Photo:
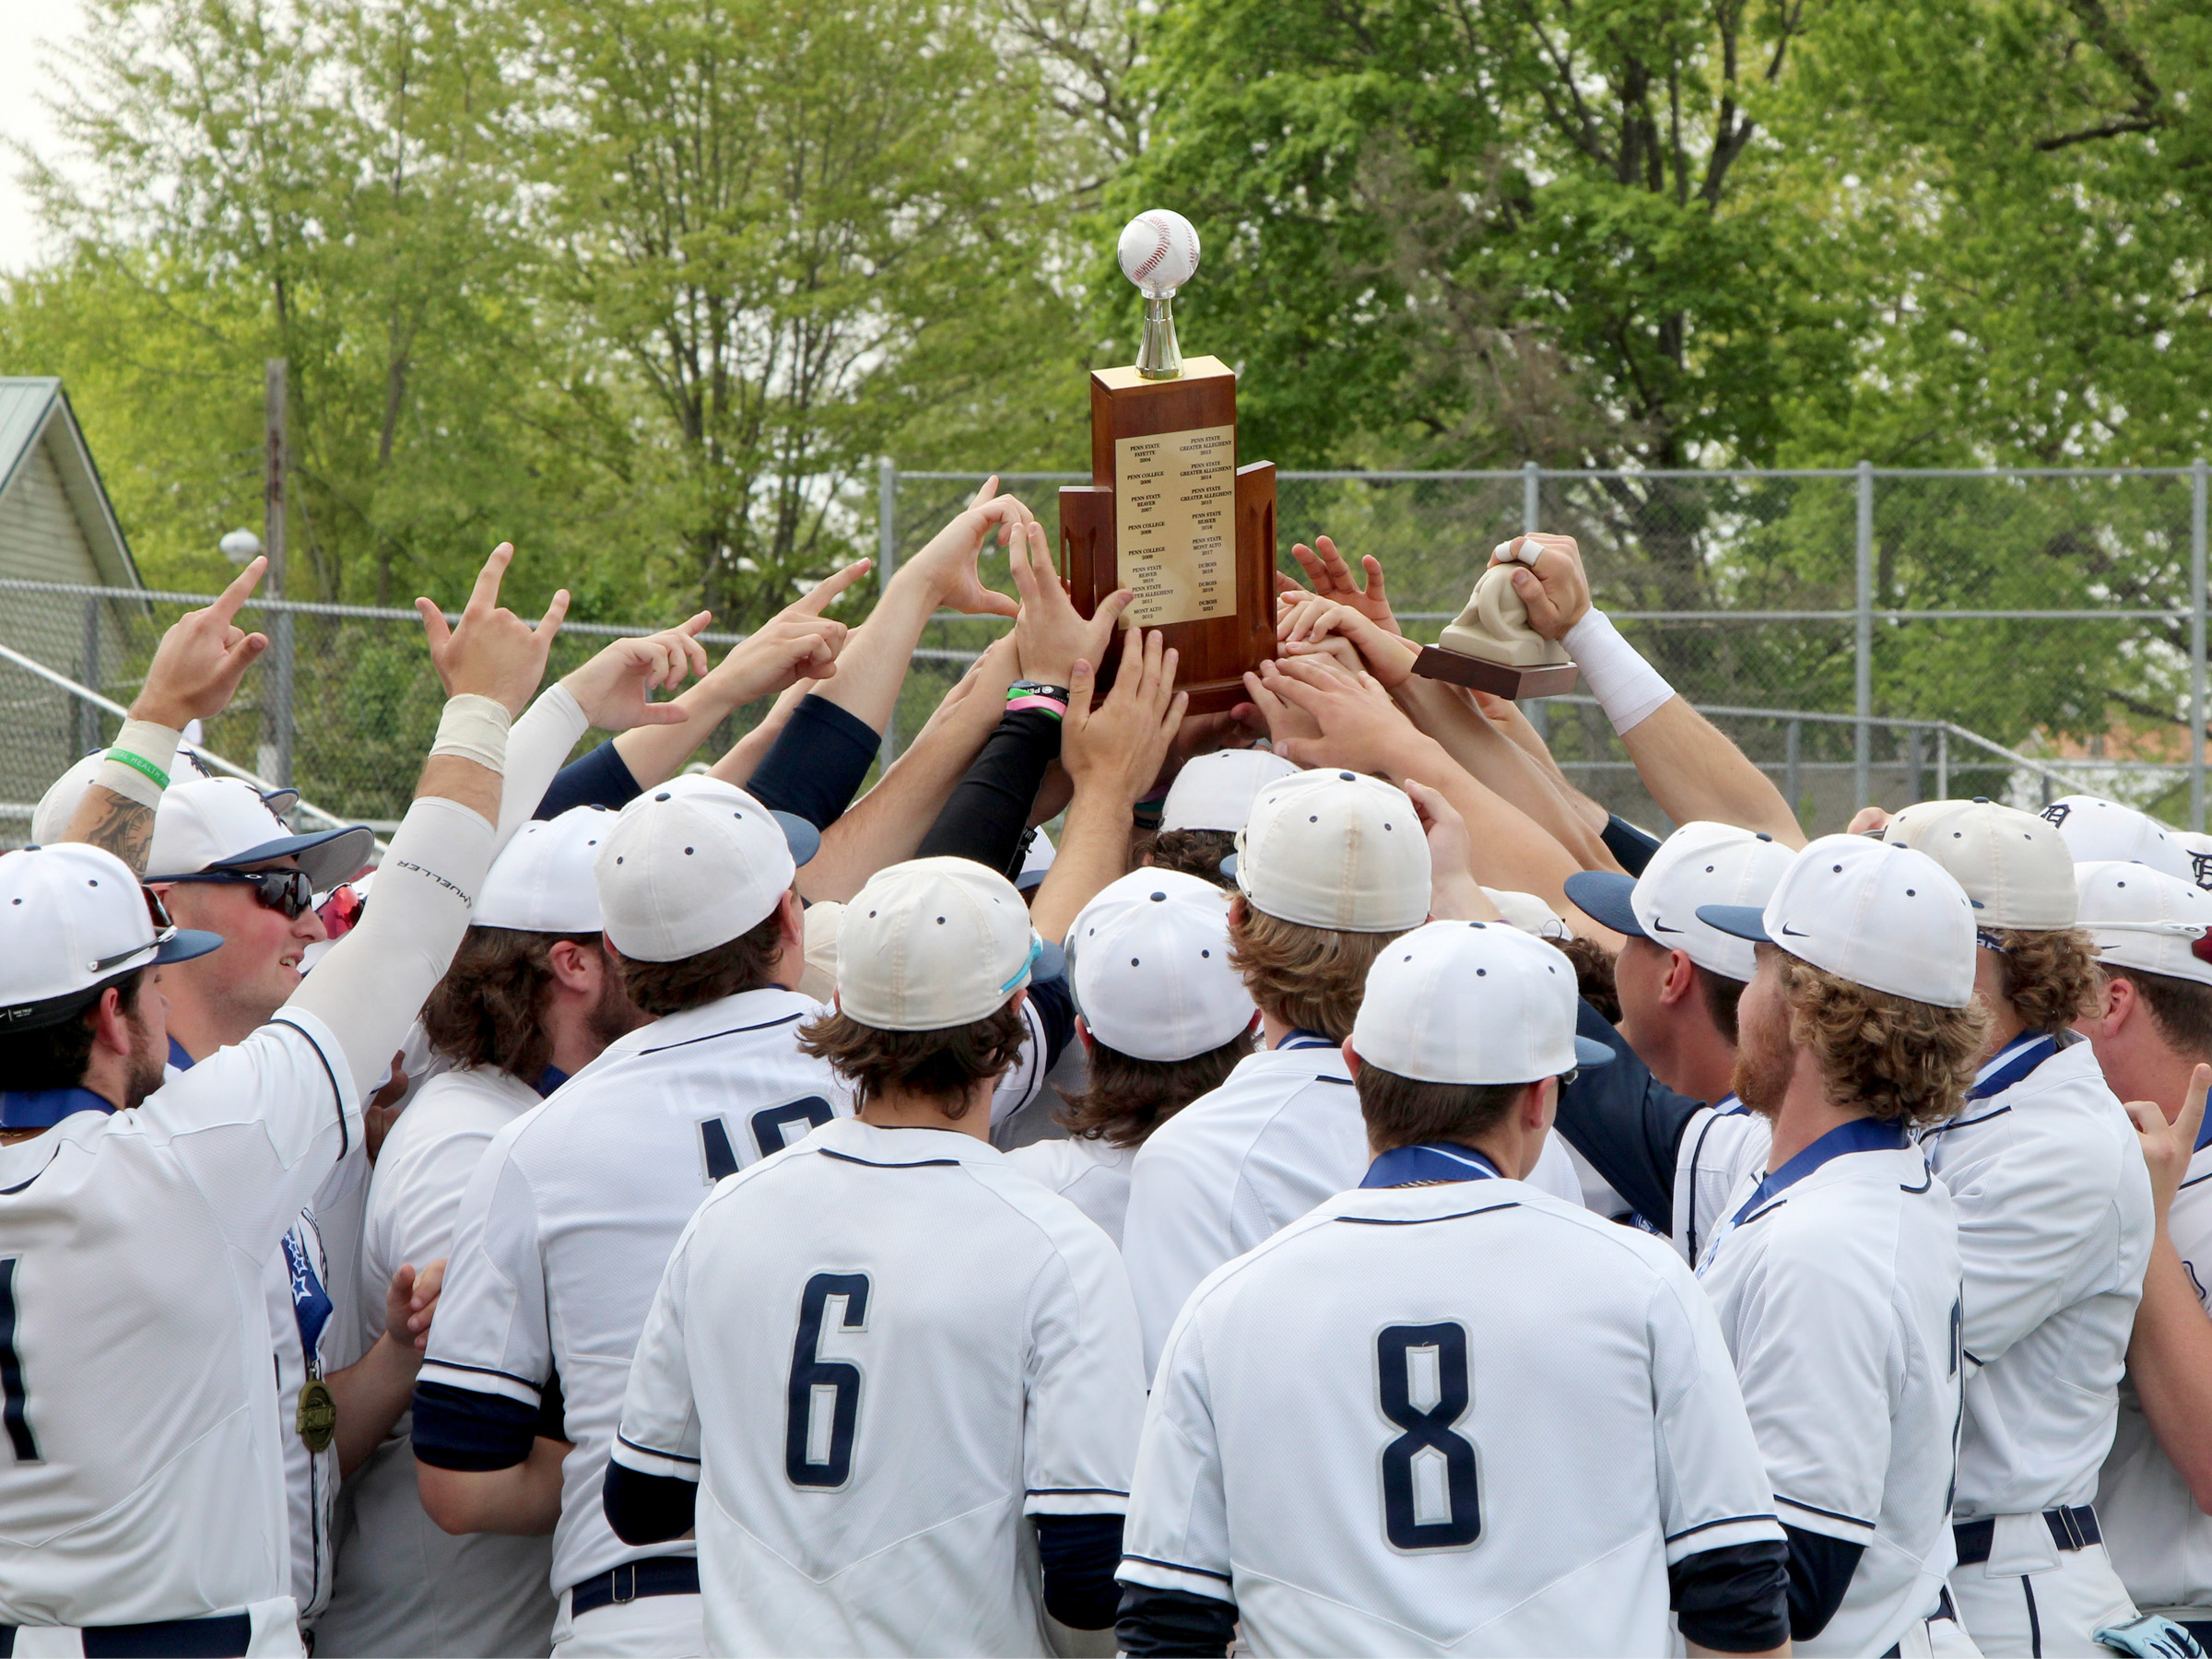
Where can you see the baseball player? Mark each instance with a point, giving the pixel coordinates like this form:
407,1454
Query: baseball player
1360,1431
1663,1126
2101,831
1163,1018
1836,1272
1209,801
139,1210
893,1383
2151,1029
530,999
567,1223
2054,1231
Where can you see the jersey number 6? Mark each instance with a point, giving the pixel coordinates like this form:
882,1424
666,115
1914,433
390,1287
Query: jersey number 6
1428,1430
12,1404
822,1406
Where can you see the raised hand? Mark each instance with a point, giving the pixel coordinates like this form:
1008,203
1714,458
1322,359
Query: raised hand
492,652
2168,1147
615,688
201,659
1331,578
1049,634
1357,724
1352,636
798,644
1120,744
947,563
1548,575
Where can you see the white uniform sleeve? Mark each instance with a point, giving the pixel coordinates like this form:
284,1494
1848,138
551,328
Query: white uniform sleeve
258,1127
369,989
1713,1492
659,1429
1177,1534
1176,1234
538,746
1812,1357
490,1335
1085,1384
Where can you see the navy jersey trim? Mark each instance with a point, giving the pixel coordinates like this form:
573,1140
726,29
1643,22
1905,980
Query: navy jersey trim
1814,1509
653,1451
20,1186
1425,1220
1076,1492
1179,1566
484,1370
1697,1159
2186,1186
460,1428
766,1025
1964,1123
337,1094
1974,1357
1926,1170
1324,1077
924,1163
1690,1532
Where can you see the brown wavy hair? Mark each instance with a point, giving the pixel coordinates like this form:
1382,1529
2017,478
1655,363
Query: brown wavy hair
944,1065
2050,976
1592,974
1195,853
1308,977
1129,1098
744,963
490,1010
1903,1060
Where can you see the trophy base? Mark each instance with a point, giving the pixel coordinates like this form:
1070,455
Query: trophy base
1500,679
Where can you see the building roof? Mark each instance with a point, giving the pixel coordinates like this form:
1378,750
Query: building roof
34,407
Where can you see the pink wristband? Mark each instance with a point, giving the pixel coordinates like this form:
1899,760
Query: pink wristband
1052,706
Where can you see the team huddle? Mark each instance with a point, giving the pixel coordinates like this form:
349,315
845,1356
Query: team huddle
1353,1194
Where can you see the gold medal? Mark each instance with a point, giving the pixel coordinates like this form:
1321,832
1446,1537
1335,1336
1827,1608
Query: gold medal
318,1416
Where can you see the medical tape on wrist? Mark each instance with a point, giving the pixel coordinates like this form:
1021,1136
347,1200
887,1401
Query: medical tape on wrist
1628,689
476,729
153,749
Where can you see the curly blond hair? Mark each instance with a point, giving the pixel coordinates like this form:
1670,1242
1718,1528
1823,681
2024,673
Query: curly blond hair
2050,976
1308,977
1903,1061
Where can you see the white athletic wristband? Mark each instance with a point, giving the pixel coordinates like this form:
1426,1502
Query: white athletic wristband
1628,689
150,745
475,728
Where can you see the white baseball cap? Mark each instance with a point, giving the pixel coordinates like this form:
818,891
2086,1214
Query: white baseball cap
1148,962
542,880
1216,791
685,869
933,943
224,823
50,819
2146,919
1701,863
2198,847
77,920
2013,864
1035,862
1472,1002
2098,831
1337,849
1881,917
1529,914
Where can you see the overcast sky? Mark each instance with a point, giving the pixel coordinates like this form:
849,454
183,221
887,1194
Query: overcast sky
24,24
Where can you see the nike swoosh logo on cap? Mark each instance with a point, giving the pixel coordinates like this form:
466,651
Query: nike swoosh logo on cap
1793,932
1663,928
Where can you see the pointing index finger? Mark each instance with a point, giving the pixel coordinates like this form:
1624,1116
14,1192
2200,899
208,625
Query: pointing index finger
484,595
232,599
819,596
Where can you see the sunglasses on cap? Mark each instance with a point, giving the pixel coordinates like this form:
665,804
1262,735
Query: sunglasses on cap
165,930
288,892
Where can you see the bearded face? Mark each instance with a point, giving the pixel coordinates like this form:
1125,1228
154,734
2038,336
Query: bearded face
1764,1056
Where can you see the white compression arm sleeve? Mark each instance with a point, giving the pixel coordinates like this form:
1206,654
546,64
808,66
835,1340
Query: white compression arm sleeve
538,748
371,986
1628,689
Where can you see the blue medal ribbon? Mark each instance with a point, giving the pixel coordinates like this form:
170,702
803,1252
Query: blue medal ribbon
43,1108
310,1303
1432,1161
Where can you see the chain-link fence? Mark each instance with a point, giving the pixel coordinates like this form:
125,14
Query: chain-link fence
1862,634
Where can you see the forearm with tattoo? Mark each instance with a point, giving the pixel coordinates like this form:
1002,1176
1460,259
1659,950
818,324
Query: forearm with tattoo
115,824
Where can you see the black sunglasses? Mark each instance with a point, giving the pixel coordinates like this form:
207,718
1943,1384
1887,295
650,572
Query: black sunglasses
164,931
288,891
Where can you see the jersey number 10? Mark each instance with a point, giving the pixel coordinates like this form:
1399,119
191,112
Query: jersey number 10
1428,1430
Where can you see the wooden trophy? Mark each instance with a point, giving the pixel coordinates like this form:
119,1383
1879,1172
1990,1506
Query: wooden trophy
1491,647
1169,514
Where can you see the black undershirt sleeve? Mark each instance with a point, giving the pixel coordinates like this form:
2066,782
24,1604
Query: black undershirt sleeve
1627,1123
816,764
647,1509
1733,1601
1078,1555
1056,1009
601,779
1820,1572
1174,1621
990,805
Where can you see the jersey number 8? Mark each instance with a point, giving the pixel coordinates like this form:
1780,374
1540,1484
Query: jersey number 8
1443,1348
822,1405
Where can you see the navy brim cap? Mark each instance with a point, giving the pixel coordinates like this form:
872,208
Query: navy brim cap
1588,1051
330,857
1745,920
804,839
1603,896
185,944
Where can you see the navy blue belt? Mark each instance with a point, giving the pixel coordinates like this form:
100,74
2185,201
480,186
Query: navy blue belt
225,1636
633,1581
2070,1529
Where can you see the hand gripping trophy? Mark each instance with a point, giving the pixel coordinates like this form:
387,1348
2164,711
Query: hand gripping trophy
1490,646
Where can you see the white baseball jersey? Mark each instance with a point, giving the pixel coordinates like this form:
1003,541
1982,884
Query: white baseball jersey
1091,1174
566,1225
1720,1145
1233,1167
1837,1283
404,1584
876,1354
133,1248
2054,1204
1466,1417
2160,1543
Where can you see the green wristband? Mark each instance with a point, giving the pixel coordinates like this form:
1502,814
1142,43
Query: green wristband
141,764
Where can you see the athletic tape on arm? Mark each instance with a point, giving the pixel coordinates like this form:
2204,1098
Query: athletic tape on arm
154,745
1628,689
